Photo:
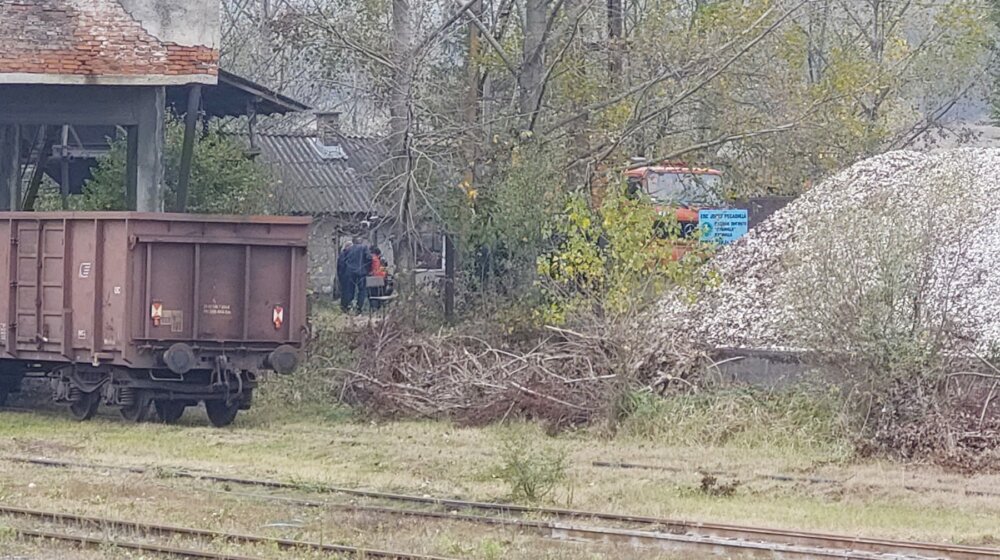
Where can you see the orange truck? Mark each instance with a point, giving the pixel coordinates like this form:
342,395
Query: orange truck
678,189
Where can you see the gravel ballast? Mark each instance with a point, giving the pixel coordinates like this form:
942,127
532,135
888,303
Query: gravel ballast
900,238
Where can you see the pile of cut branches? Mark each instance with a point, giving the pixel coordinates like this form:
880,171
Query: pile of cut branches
563,377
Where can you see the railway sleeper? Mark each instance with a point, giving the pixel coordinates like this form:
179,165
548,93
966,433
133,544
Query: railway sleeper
142,396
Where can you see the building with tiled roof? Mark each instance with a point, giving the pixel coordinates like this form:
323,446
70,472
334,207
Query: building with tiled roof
331,176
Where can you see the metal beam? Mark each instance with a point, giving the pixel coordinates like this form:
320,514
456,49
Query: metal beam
76,105
45,142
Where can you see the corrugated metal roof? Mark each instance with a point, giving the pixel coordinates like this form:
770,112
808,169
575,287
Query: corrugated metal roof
313,184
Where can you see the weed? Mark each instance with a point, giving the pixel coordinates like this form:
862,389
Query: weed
162,472
7,534
530,466
711,486
492,549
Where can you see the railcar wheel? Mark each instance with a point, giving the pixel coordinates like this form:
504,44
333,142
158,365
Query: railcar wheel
86,407
137,410
168,412
220,414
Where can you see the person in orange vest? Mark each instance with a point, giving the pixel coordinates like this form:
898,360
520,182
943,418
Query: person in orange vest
377,270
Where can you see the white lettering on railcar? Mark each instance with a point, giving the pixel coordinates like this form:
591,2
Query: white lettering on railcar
216,309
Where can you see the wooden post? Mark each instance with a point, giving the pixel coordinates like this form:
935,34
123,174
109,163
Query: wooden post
252,125
450,256
187,150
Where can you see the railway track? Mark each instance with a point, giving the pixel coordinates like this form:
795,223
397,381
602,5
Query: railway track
93,542
666,534
784,478
158,530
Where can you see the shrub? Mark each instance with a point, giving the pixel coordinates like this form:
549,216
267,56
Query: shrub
614,261
317,384
531,467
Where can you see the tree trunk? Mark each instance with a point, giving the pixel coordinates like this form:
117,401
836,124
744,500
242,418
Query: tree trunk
533,63
400,122
816,49
616,31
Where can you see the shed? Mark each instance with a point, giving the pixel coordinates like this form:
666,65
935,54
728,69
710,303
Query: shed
331,176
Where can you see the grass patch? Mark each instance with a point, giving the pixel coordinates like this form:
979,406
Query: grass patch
742,418
438,459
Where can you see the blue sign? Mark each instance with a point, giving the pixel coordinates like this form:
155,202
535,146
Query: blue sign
723,225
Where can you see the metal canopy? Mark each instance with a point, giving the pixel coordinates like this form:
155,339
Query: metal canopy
232,97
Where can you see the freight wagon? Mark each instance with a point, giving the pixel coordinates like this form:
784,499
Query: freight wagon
150,312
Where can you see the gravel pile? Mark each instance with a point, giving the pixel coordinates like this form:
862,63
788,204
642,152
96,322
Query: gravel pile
929,222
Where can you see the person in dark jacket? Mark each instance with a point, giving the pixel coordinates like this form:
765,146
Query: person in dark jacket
343,279
357,263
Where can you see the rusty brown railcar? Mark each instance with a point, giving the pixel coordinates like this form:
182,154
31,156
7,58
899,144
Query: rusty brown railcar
150,312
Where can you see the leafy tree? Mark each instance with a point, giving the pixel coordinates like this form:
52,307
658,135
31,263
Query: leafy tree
616,260
223,179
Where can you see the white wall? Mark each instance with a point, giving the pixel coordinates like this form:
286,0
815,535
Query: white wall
191,23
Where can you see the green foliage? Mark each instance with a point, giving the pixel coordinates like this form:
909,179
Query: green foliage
223,179
531,466
502,222
618,259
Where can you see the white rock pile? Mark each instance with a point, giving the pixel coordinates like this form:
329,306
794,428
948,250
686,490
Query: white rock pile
887,220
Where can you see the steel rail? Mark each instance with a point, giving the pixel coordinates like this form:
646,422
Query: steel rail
724,532
173,530
647,539
560,531
95,542
785,478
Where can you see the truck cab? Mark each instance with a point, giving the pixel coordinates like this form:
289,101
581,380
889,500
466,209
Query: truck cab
678,189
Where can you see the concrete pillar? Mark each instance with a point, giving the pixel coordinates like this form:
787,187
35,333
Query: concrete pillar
151,111
10,187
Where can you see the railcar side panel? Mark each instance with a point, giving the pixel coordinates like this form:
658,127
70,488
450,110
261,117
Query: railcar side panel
119,287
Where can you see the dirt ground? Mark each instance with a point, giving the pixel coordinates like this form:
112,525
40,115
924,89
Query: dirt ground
876,499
